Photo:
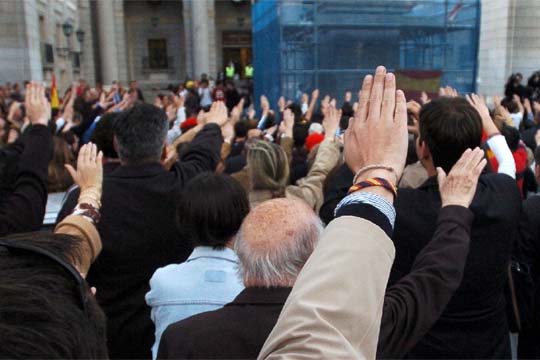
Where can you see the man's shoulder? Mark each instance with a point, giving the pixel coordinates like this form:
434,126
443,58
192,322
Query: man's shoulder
197,325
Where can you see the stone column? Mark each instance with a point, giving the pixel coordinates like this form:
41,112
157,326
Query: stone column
200,37
106,34
86,48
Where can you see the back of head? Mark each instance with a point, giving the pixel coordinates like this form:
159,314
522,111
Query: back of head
274,242
268,166
42,311
240,129
103,135
297,111
211,209
449,126
140,133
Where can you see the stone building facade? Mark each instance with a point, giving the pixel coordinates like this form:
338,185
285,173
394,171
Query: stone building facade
34,45
159,42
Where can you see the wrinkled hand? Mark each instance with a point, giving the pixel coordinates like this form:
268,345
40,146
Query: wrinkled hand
459,186
479,104
217,114
38,108
331,122
89,173
377,135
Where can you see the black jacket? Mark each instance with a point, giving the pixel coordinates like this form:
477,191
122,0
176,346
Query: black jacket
236,331
529,249
22,208
474,324
139,234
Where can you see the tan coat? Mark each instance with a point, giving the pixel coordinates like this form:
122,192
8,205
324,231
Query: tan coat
334,310
310,187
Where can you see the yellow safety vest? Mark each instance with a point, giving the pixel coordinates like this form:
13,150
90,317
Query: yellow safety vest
229,71
249,71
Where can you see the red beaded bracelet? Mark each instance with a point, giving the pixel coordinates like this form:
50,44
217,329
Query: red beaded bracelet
374,182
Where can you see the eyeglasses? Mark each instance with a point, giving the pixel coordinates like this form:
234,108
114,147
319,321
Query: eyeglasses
17,248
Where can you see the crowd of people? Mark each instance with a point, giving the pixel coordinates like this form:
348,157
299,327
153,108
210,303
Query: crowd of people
196,226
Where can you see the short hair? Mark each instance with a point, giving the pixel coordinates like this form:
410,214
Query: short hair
510,105
211,209
103,135
268,166
42,314
277,263
140,133
449,126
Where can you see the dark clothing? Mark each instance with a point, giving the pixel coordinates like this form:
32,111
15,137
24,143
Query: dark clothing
72,196
23,208
232,97
415,302
529,247
139,234
236,331
336,188
474,324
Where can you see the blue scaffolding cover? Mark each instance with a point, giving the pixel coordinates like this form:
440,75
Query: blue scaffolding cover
300,45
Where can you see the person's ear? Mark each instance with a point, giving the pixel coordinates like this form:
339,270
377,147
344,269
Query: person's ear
422,150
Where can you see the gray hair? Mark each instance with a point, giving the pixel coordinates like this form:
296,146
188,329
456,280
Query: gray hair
280,264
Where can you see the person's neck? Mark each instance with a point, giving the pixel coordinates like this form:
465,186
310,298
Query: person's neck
427,163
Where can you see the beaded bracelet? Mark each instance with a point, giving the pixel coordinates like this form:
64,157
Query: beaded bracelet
87,211
372,167
374,182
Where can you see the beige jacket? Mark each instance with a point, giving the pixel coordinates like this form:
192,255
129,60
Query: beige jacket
91,244
334,310
310,187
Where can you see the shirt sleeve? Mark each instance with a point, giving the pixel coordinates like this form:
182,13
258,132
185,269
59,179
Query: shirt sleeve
504,157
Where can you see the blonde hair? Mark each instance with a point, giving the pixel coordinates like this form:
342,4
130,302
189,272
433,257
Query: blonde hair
268,167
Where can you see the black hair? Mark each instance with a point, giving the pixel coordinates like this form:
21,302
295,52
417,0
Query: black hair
510,104
300,134
449,126
297,111
42,315
241,129
511,134
103,135
140,133
211,209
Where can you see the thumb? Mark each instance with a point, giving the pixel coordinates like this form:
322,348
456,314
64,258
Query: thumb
71,172
441,176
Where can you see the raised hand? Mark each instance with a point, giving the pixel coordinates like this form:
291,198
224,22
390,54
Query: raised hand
348,96
37,107
89,173
265,105
227,131
459,186
448,91
377,135
331,122
480,105
424,98
237,111
286,126
315,95
217,114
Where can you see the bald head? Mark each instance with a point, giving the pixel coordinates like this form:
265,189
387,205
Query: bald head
275,240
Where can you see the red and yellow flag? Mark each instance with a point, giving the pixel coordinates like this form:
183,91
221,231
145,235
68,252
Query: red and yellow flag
55,102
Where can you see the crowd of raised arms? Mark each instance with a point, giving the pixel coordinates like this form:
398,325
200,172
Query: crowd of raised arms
198,227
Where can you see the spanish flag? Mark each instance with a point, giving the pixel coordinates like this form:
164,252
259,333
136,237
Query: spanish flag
413,82
55,102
